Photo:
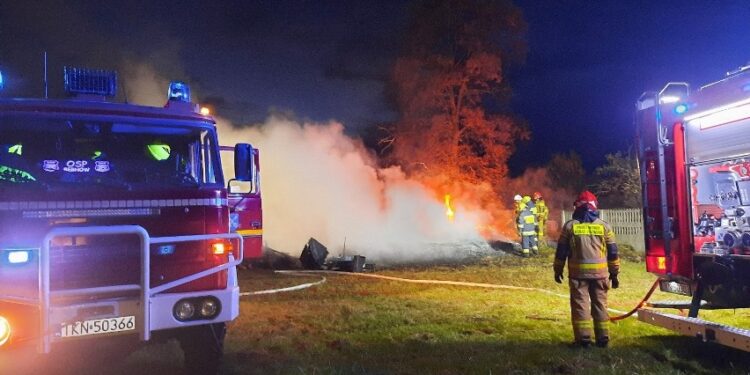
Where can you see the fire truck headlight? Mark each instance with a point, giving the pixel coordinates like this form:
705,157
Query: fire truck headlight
184,310
18,256
669,99
209,308
4,331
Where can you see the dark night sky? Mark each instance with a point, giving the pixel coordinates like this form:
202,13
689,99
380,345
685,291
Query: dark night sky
587,63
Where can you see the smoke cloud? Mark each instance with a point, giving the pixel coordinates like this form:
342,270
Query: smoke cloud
143,85
319,182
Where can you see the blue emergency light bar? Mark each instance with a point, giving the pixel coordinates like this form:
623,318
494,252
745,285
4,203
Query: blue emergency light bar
90,81
179,91
2,81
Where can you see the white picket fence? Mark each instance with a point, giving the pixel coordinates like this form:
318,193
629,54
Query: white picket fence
627,224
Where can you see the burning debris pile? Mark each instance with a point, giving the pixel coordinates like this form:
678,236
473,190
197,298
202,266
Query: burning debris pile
314,256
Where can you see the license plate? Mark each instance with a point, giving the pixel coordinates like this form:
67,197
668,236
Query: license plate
675,287
98,326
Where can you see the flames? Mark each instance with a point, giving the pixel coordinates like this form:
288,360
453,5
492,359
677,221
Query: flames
487,217
449,212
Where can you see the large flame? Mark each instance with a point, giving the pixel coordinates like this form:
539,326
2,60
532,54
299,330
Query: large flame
448,209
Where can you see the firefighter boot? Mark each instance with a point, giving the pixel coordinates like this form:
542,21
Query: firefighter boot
582,333
526,244
601,332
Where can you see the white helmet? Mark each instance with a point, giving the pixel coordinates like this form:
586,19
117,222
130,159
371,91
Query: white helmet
517,198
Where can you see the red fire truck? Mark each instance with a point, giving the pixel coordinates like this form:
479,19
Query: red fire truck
695,174
116,220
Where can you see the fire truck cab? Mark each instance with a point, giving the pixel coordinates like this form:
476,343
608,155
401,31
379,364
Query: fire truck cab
117,221
695,173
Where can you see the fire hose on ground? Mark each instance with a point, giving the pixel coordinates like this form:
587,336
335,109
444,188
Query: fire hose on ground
622,314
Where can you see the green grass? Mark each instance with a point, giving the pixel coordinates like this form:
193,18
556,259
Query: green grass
358,325
353,325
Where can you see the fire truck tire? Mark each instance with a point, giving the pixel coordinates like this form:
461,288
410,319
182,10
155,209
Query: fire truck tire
203,347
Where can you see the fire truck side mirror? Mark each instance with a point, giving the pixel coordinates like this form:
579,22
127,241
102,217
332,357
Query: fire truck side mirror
243,162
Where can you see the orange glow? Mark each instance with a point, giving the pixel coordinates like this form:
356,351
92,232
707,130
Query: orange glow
448,208
661,263
205,111
4,331
218,248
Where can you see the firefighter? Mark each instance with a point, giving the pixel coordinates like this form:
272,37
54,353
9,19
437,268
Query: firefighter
517,203
527,229
532,207
517,206
542,213
587,243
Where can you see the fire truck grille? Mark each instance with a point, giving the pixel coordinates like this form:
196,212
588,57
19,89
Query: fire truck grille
90,266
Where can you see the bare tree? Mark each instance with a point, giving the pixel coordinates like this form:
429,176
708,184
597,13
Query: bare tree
448,88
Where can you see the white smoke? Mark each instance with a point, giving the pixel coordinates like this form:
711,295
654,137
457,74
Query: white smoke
318,182
143,85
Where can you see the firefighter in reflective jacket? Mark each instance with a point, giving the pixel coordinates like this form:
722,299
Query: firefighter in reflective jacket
527,229
542,213
587,243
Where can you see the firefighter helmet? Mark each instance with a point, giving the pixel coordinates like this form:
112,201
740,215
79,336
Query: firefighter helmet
517,198
586,197
526,199
537,195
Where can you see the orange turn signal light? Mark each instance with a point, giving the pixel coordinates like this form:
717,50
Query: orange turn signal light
221,248
661,263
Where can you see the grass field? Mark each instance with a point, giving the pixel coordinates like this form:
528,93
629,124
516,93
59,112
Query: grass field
353,325
358,325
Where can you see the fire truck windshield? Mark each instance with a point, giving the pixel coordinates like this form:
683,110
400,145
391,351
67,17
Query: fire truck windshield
59,154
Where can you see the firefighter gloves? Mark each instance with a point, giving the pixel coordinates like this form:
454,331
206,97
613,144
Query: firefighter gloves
615,281
558,277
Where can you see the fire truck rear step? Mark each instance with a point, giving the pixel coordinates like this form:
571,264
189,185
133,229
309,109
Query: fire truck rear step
680,304
737,338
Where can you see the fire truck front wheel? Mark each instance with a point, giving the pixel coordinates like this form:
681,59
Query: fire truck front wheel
203,347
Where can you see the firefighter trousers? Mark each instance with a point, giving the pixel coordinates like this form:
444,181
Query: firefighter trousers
529,243
588,297
540,230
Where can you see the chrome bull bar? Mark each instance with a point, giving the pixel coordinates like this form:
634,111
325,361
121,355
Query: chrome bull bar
146,292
